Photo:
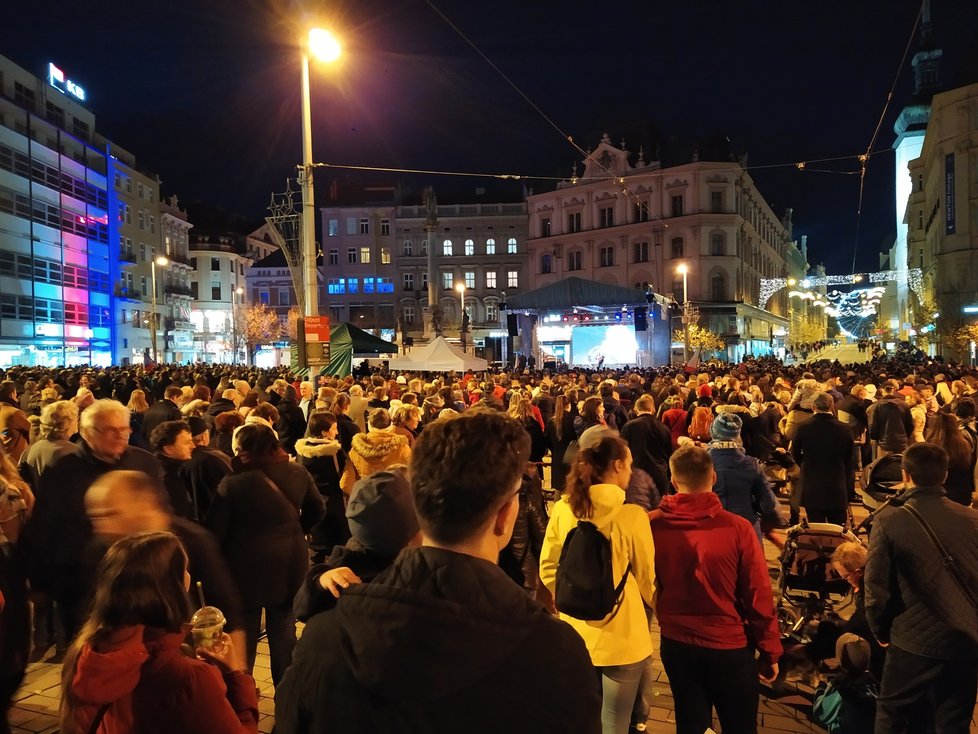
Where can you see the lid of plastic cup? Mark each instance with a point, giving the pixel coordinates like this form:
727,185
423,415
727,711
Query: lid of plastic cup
207,616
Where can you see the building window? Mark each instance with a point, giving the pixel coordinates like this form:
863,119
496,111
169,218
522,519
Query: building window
334,257
492,313
368,285
333,228
512,278
385,227
364,226
718,245
385,285
407,248
353,285
215,291
716,202
336,286
677,289
128,208
424,280
545,226
351,225
469,247
385,256
141,219
511,246
606,216
407,313
490,246
641,211
351,256
718,287
365,255
546,266
215,263
194,290
574,222
139,189
446,248
677,205
920,219
575,260
470,279
409,281
143,287
490,279
152,224
284,297
606,257
677,247
424,248
641,252
24,96
448,281
55,114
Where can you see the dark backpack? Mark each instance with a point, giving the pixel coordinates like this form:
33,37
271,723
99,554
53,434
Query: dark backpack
585,585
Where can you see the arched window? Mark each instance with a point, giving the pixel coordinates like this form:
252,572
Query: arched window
511,246
469,247
490,246
407,248
446,248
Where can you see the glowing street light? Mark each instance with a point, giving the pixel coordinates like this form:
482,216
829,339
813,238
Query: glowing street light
155,318
461,314
683,270
323,46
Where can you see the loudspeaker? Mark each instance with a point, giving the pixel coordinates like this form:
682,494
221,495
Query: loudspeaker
511,324
641,322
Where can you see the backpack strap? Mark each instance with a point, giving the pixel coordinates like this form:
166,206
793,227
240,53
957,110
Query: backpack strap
620,592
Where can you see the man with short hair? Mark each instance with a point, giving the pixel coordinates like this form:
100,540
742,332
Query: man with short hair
713,602
307,398
206,469
173,445
650,442
890,422
163,410
58,528
915,606
444,640
823,448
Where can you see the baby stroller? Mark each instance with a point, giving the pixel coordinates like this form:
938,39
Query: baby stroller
882,481
810,589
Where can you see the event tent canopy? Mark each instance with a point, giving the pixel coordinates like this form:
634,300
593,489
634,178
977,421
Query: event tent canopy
345,341
569,292
438,356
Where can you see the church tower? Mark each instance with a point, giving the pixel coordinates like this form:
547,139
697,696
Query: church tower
910,127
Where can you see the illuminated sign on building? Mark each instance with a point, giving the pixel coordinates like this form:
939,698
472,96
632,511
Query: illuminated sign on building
57,79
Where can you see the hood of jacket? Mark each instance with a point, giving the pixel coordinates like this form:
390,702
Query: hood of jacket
741,410
377,445
427,605
113,672
689,510
315,448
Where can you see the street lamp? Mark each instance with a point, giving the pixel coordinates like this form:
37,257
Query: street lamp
155,318
683,270
323,46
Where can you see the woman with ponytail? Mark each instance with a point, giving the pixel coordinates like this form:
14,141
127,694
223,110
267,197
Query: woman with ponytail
620,643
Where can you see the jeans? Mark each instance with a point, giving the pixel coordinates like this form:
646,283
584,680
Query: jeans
619,684
702,678
280,629
920,695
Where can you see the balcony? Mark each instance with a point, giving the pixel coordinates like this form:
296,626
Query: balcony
127,256
180,259
172,324
131,294
176,289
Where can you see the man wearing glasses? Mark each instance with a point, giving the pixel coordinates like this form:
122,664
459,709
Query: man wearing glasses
59,530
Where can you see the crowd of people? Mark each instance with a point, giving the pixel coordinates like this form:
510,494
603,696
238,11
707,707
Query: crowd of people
446,579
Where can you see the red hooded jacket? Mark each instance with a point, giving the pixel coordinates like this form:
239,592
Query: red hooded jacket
712,584
149,685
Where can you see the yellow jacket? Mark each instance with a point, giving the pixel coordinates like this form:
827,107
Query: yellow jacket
625,638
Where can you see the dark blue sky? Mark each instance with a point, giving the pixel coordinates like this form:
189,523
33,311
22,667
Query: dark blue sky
207,93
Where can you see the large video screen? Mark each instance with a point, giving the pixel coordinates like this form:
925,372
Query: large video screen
616,343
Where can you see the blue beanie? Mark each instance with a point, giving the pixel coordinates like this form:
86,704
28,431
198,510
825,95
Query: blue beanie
726,427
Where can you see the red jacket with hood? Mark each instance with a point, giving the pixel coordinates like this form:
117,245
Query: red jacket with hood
712,584
149,685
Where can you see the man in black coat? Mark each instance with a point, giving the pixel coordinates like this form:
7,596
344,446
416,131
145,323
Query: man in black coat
823,449
58,529
650,443
206,469
441,639
162,411
915,606
890,422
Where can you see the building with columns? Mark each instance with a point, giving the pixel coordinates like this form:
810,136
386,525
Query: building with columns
630,222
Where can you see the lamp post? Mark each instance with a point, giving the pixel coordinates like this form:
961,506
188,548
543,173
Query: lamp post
461,314
239,291
154,320
322,45
683,270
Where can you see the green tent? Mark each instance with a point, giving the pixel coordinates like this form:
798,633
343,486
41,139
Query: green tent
347,341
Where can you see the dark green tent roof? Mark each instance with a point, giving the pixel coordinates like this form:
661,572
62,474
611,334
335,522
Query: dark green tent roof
570,292
363,343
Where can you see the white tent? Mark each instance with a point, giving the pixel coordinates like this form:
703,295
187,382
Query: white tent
438,356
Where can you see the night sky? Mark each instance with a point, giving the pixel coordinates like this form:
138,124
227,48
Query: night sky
206,92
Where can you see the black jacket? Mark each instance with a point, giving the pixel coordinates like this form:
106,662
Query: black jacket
159,412
261,529
912,601
177,486
558,446
59,529
441,642
651,446
524,547
204,472
218,406
291,424
890,423
312,598
823,449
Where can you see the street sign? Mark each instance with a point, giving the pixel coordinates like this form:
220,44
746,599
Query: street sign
317,328
316,332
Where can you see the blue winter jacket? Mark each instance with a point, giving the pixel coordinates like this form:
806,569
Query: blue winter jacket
741,485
